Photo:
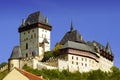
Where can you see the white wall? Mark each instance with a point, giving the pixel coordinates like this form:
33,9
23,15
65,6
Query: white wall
84,64
14,63
105,64
62,65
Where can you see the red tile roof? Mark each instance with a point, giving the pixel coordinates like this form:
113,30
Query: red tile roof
29,75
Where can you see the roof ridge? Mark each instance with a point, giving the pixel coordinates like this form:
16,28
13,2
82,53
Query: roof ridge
28,74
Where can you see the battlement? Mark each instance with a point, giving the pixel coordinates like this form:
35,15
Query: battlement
4,68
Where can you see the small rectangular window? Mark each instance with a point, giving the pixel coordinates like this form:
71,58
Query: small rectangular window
85,65
82,64
35,35
72,62
82,59
76,58
72,57
76,63
32,30
26,45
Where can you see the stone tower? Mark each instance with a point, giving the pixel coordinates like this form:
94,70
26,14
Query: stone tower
35,35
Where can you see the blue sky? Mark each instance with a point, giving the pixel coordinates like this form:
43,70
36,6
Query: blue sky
94,19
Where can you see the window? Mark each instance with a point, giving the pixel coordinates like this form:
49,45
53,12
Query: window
82,59
32,30
26,54
85,65
72,62
93,62
33,54
72,57
76,63
26,45
35,35
82,64
76,58
86,59
89,60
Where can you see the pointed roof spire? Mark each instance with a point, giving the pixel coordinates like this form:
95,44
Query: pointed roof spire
107,46
46,19
108,49
71,27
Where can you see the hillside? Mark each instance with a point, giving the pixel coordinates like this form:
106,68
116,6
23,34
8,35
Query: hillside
3,74
65,75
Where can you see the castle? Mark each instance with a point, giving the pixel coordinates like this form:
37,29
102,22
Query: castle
75,53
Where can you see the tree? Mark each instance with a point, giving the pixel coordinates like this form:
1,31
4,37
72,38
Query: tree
47,55
57,47
115,74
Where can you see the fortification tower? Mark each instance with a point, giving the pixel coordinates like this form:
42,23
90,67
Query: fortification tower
35,35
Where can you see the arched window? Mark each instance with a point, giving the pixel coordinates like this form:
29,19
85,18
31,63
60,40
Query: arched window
26,45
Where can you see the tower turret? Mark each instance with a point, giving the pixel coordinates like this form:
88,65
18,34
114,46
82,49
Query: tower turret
33,31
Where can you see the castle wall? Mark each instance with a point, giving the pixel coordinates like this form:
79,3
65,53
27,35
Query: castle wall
81,63
4,68
84,64
105,64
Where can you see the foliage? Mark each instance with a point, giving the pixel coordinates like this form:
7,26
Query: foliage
3,74
49,54
115,75
57,47
66,75
54,53
3,64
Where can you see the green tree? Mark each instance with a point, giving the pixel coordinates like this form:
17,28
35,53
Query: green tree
57,47
115,74
47,55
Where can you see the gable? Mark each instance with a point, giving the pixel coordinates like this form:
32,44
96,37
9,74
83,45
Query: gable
15,75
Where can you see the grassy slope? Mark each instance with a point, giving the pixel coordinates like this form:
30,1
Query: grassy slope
65,75
3,74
